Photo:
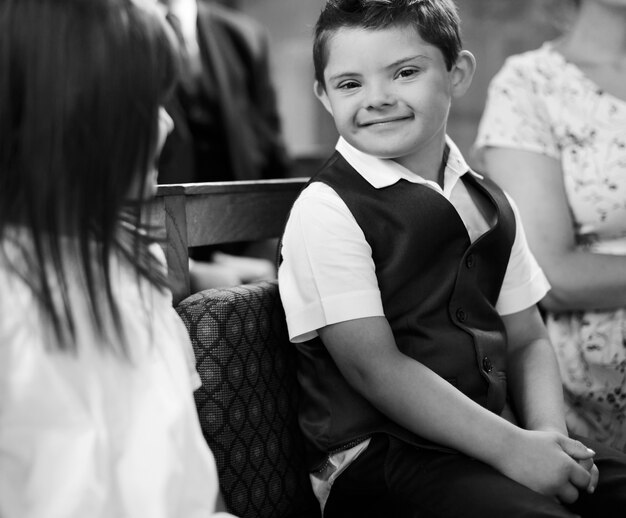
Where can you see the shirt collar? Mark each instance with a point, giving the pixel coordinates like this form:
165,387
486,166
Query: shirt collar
187,13
383,172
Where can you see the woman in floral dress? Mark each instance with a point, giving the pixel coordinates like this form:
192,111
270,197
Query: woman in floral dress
553,134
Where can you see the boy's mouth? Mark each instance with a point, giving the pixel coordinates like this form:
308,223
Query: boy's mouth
383,120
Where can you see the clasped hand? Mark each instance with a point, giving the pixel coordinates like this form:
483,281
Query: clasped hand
551,464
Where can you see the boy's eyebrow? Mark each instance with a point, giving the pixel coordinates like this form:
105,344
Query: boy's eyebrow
395,64
402,61
341,75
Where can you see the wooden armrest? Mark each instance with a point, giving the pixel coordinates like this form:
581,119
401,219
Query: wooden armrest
212,213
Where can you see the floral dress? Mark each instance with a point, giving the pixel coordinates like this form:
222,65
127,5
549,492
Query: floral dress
539,102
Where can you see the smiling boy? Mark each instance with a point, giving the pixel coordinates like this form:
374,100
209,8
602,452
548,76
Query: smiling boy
429,385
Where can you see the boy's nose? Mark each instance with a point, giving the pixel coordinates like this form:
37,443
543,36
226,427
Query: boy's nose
378,96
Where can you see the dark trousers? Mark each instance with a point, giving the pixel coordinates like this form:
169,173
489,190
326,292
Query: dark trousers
394,480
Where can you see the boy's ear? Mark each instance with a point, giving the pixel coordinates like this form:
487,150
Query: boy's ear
462,73
320,93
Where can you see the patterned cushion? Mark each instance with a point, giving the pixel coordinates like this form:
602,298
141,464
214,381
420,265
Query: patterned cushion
248,400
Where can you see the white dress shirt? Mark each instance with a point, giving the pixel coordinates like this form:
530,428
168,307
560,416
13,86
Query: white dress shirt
328,274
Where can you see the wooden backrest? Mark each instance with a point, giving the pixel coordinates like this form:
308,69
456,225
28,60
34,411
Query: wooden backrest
197,214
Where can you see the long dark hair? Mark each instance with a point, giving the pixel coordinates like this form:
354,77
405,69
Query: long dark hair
81,83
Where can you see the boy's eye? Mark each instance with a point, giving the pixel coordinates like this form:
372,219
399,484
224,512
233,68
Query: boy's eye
407,72
348,85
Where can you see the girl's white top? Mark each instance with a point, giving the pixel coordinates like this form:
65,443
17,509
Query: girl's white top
95,435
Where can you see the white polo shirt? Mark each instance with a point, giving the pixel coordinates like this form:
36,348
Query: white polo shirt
328,274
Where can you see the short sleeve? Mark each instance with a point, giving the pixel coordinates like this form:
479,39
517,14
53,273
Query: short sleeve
327,273
516,114
524,283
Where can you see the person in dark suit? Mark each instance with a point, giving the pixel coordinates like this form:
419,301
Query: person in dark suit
226,122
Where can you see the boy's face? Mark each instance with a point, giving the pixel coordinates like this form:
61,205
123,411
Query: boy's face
389,92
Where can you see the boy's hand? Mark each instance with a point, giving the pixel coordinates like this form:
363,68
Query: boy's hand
590,466
551,464
584,456
579,452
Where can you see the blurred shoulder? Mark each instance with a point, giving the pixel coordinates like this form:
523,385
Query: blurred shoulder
538,65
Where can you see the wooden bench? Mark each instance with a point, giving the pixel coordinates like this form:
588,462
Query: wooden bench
197,214
248,401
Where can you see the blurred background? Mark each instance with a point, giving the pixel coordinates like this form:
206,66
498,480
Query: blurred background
492,30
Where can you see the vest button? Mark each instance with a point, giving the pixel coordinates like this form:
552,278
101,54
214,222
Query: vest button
461,315
470,261
487,365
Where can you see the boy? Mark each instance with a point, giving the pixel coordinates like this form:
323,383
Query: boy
429,386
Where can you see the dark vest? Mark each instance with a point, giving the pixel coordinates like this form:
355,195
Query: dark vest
438,292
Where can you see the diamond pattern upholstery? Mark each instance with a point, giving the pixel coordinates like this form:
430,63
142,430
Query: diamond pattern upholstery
248,400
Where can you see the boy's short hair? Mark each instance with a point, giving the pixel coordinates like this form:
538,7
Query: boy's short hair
437,22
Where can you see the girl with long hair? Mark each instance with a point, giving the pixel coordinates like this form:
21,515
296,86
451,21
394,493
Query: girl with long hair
97,417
